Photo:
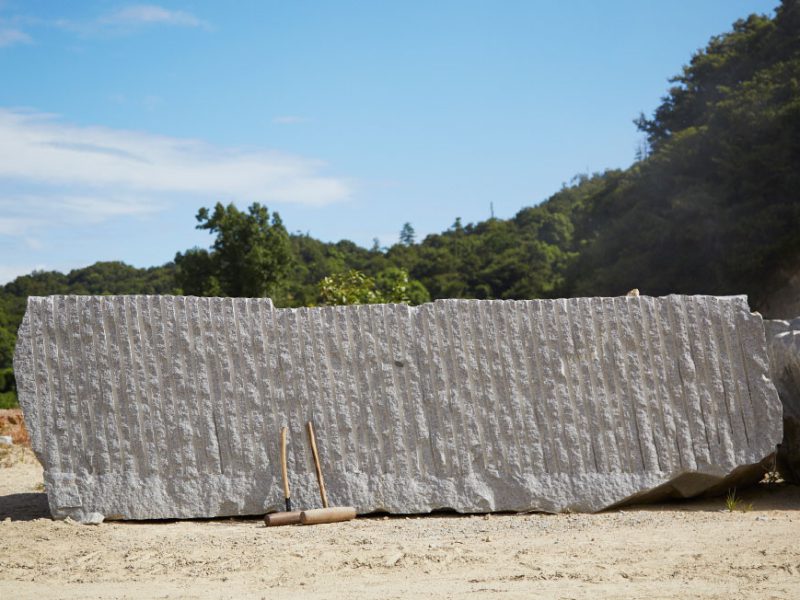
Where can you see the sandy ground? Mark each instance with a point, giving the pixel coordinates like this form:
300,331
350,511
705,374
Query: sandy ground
681,550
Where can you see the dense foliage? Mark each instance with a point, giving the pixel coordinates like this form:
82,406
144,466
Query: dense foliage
712,206
100,278
354,287
250,257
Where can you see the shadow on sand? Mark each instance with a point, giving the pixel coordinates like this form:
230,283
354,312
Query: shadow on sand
24,507
762,497
759,497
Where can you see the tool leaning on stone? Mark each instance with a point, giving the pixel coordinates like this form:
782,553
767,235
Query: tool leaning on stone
326,514
289,516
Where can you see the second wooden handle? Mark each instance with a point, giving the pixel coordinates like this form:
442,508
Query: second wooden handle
336,514
323,494
284,470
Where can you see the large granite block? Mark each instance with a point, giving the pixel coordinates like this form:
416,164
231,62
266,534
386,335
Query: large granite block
783,341
145,407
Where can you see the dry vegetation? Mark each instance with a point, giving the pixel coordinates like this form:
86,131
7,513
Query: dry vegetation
12,423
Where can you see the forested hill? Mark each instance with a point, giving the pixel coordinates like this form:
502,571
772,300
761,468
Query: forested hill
712,206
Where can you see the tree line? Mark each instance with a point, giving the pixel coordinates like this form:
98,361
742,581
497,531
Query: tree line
712,206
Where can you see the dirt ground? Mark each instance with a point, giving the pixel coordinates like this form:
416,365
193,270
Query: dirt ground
682,550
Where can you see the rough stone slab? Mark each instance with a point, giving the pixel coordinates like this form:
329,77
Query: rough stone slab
783,341
144,407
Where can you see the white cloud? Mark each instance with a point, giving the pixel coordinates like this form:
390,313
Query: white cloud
150,14
33,214
94,209
10,37
99,172
124,21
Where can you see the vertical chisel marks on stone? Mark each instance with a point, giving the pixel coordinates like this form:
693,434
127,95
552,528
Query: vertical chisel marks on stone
783,341
164,407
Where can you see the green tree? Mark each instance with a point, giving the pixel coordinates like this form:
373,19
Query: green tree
392,285
251,255
395,286
407,235
350,287
196,273
7,340
715,207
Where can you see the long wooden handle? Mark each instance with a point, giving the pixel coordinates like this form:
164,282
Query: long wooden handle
336,514
323,494
284,470
282,518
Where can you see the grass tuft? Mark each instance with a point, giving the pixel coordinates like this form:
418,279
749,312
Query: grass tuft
734,503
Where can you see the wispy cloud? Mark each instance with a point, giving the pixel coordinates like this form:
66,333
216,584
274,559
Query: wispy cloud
12,37
94,209
99,173
289,120
150,14
122,21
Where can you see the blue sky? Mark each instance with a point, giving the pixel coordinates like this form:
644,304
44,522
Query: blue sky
119,120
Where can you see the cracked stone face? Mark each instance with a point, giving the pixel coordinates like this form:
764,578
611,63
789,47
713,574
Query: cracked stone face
783,341
144,407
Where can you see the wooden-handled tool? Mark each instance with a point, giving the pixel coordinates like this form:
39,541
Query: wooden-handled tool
282,518
335,514
285,471
313,441
289,517
323,515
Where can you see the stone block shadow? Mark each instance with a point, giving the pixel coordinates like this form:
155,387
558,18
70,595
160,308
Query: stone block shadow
24,507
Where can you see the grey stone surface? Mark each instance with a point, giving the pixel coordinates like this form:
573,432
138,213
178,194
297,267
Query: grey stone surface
146,407
93,518
783,341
